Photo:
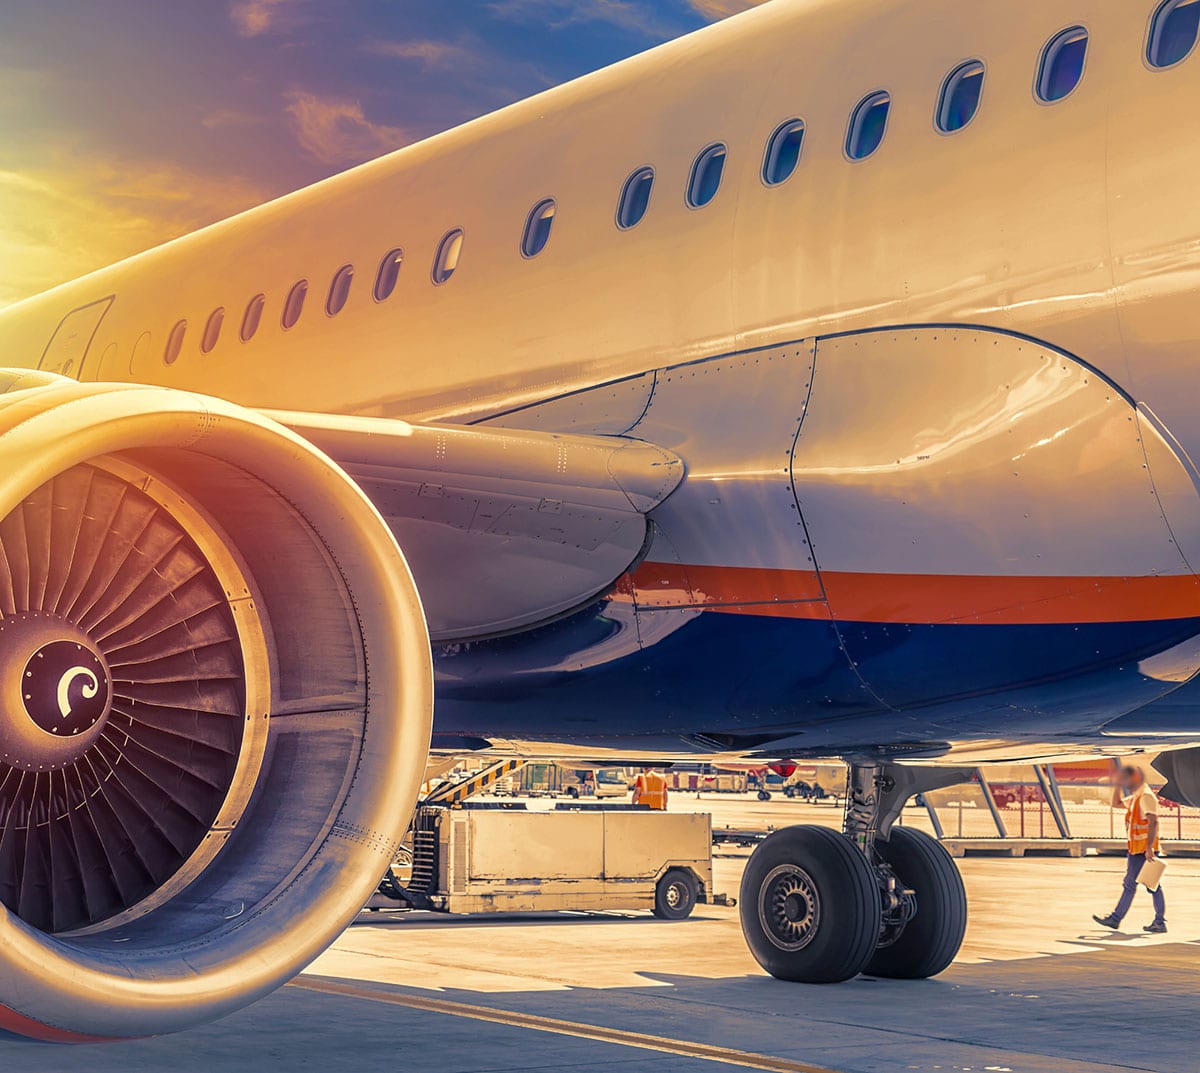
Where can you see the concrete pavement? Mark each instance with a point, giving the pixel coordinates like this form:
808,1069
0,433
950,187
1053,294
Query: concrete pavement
1037,987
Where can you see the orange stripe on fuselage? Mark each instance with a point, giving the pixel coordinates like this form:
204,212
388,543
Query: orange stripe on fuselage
914,598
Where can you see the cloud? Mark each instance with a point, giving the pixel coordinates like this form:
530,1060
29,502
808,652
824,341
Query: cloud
336,131
254,17
557,14
720,9
75,215
430,53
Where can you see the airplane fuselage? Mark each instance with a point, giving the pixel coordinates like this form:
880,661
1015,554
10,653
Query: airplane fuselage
937,405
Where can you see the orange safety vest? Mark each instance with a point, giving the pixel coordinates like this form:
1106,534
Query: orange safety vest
652,790
1138,824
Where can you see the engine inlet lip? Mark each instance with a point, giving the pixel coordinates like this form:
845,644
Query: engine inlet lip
78,986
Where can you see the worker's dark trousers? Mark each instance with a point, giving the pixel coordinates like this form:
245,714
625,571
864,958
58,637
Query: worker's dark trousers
1132,867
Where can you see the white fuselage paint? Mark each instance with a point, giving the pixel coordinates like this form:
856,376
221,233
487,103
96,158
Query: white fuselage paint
1073,222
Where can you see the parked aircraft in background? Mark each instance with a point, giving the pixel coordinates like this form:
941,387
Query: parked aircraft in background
822,384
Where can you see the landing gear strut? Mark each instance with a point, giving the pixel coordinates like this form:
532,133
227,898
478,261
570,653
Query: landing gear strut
820,907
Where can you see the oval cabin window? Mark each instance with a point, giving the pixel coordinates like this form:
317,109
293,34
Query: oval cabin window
445,264
635,198
294,305
783,152
212,330
174,343
339,290
252,317
1062,63
960,97
706,176
868,124
538,227
388,274
1173,32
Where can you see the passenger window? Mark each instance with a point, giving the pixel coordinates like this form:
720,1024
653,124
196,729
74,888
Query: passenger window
1062,64
868,124
960,97
389,272
706,176
174,343
1173,32
538,227
783,152
294,305
212,330
635,198
448,253
339,290
252,317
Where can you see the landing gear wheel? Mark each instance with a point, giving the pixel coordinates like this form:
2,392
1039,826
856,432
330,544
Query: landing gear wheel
675,895
930,940
810,906
764,795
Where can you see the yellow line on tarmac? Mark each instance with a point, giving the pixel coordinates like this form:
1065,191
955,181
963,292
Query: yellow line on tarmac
536,1023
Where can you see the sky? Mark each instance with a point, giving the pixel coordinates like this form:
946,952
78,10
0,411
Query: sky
125,123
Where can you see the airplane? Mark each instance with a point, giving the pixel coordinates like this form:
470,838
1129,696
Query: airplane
818,385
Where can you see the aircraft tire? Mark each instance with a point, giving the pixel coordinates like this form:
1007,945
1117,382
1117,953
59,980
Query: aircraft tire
930,941
810,906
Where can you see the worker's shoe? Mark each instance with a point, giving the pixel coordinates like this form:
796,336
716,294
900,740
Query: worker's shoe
1109,921
1158,927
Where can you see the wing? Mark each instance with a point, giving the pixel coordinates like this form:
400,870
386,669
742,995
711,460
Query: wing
502,528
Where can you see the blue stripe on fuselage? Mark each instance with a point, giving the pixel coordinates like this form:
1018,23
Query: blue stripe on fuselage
610,677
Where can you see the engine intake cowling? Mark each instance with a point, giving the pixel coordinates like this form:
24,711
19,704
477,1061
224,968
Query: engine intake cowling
215,706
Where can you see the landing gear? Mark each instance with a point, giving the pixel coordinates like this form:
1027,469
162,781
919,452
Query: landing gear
927,943
764,795
821,907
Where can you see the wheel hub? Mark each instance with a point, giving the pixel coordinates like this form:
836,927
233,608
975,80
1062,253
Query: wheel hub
56,689
789,907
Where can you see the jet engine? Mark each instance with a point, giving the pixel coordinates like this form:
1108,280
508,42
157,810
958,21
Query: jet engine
215,706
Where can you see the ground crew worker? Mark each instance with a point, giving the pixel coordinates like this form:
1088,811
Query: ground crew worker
1141,819
651,789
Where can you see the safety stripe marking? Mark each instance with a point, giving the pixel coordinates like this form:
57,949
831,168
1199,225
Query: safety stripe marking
452,793
536,1023
931,599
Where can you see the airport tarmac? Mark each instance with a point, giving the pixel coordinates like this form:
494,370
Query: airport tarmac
1037,987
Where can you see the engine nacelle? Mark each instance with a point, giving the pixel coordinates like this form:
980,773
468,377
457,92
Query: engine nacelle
1181,768
215,706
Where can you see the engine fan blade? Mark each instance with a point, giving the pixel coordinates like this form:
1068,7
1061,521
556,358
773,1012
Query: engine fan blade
97,557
